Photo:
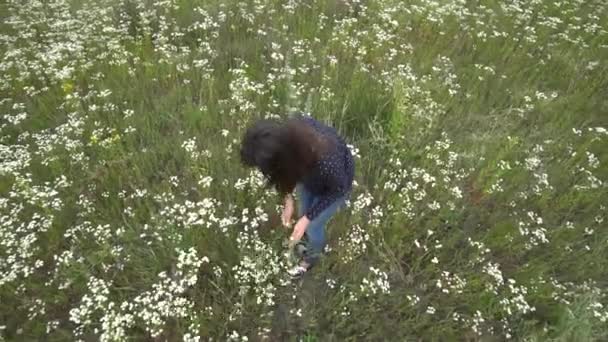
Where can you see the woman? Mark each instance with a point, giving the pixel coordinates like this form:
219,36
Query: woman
303,154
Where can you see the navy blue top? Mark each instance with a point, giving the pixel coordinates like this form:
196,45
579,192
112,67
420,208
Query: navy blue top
333,174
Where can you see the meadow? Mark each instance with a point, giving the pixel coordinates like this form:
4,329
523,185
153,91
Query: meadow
480,130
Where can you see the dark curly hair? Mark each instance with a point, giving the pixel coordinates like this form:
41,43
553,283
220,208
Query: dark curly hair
283,150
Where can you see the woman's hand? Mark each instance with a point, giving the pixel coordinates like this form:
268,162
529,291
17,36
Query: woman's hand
299,229
287,211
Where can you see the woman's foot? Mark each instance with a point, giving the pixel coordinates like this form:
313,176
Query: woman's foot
299,270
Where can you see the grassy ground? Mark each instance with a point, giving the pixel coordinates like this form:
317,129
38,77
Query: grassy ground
480,210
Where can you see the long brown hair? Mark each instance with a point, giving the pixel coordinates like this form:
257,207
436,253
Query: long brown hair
284,151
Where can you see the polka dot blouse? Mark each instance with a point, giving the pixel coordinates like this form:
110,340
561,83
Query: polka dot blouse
332,177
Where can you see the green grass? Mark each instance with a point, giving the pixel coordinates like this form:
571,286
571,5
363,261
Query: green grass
481,178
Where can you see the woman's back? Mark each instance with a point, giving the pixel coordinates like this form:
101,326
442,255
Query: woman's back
337,164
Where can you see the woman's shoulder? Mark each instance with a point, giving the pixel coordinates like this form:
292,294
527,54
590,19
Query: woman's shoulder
318,124
307,118
325,130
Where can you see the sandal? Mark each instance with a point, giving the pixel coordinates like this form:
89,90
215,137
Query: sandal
299,270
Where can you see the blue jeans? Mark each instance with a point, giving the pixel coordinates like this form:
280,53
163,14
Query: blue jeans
315,232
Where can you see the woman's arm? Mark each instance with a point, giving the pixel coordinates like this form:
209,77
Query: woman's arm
288,209
336,188
298,230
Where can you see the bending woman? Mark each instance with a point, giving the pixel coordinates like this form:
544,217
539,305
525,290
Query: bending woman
305,155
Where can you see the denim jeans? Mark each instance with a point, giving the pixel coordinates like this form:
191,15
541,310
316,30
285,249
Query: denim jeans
315,232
